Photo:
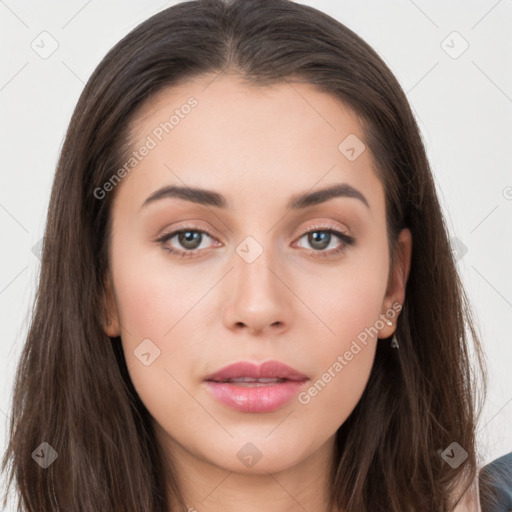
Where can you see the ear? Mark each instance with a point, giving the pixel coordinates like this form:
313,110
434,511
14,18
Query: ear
111,324
397,281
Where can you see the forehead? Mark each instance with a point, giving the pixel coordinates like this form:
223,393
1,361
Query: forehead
217,131
226,99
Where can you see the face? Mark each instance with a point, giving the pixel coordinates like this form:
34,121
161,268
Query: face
259,273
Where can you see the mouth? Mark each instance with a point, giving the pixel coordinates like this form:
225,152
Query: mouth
251,382
247,387
267,372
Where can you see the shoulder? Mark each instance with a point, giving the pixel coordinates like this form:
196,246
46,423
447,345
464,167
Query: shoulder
495,482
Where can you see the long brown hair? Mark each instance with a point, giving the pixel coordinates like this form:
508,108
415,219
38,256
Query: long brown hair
72,387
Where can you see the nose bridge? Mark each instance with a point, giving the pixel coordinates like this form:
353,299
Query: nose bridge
253,261
257,297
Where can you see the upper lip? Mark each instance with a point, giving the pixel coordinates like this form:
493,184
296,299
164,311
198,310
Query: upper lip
268,369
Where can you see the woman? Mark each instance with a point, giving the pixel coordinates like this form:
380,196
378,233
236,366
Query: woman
248,297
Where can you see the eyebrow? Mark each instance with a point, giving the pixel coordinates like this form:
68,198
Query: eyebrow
211,198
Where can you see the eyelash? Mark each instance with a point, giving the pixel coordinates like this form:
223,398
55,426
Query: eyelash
346,239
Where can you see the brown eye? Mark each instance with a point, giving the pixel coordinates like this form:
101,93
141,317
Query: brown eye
190,239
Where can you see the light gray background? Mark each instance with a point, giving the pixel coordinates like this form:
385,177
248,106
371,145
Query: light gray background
463,104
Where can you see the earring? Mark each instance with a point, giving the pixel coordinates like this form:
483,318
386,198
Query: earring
394,341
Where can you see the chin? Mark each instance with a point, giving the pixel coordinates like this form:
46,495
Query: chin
261,453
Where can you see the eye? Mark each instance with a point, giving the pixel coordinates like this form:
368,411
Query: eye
189,239
321,237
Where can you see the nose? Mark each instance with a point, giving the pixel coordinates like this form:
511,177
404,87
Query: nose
257,299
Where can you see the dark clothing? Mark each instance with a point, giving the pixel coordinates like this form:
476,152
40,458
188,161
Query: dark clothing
495,483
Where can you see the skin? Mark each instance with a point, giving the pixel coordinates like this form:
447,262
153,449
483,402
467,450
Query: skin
258,146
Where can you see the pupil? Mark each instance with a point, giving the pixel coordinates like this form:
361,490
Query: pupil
314,239
190,239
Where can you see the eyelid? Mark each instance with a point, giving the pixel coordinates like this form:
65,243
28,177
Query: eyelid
323,226
340,233
187,226
172,232
346,239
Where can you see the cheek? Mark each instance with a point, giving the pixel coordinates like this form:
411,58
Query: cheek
158,311
343,373
152,296
156,342
344,354
349,299
343,358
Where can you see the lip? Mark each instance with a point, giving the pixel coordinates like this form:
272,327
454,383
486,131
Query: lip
255,397
268,369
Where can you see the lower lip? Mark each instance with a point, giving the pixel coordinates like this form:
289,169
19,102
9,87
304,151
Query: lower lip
265,398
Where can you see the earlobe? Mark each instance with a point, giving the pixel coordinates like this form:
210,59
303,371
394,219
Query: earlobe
397,282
